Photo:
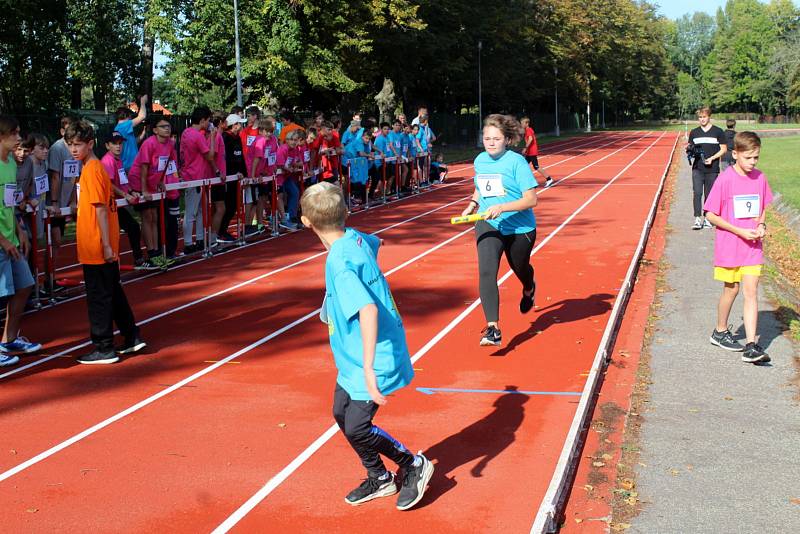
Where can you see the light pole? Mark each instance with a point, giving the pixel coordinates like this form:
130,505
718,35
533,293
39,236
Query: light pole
588,108
558,130
238,60
480,95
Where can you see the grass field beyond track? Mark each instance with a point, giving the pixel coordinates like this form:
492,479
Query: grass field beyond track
779,161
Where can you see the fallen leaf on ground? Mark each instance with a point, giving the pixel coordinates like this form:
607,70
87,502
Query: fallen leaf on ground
578,520
674,472
619,527
728,398
12,451
588,487
32,510
282,425
598,464
607,457
794,501
627,483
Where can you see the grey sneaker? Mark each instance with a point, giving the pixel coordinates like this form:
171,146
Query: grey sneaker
415,481
725,340
490,336
698,223
753,353
707,224
372,488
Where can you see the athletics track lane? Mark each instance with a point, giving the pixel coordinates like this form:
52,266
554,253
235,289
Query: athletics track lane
208,438
68,267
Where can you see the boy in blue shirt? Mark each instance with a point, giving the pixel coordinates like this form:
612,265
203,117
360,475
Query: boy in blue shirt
369,347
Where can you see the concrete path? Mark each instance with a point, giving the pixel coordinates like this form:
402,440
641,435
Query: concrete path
721,439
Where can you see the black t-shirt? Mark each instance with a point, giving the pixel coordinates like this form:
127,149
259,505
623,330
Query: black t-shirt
710,142
234,157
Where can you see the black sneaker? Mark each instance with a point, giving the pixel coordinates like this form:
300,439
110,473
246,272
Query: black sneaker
526,302
415,480
226,238
725,340
490,336
372,488
753,353
131,348
98,357
548,182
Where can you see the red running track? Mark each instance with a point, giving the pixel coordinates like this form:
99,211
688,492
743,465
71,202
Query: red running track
236,386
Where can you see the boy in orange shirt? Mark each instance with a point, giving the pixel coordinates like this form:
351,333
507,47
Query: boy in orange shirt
97,236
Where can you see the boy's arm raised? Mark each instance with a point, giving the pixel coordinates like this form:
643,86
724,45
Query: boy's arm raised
368,319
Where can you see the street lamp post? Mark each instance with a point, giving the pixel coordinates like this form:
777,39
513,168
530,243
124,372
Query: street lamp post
480,95
238,60
558,129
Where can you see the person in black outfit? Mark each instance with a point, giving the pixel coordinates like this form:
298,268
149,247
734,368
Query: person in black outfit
710,140
730,133
234,164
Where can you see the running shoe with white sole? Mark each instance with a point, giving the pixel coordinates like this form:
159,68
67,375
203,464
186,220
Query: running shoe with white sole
372,488
415,482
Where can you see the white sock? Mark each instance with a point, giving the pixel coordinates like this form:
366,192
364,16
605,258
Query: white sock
384,476
417,460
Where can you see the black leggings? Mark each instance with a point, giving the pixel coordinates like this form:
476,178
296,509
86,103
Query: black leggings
491,245
354,418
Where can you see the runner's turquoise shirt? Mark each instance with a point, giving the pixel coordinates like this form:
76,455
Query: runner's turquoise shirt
512,171
352,281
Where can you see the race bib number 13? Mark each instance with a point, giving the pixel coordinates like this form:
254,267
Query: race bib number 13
71,168
490,185
746,206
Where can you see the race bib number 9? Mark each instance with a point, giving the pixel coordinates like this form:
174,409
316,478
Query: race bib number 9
746,206
41,184
172,168
490,185
71,168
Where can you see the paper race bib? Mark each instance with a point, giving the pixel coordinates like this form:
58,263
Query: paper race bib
251,139
377,157
11,197
490,185
272,159
172,167
162,163
306,156
397,144
746,206
123,176
41,185
289,161
71,169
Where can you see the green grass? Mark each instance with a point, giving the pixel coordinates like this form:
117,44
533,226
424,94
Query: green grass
779,161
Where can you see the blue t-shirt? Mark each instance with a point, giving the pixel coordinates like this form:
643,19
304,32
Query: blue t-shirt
412,145
359,165
422,137
130,147
382,143
352,281
504,180
396,140
348,136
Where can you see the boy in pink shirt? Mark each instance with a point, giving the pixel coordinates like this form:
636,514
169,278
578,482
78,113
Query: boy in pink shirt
736,206
156,165
198,163
290,162
260,161
112,163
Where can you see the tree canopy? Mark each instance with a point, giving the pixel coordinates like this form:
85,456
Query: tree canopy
335,55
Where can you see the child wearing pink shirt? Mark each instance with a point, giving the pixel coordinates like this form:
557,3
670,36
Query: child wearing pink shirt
156,165
736,206
112,163
290,162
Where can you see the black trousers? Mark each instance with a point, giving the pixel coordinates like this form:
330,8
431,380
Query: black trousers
107,305
172,210
230,207
491,245
355,421
128,223
702,182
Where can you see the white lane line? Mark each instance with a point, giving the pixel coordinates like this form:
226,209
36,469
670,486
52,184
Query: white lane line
99,426
287,471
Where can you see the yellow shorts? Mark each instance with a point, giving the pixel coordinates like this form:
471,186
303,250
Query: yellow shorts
734,274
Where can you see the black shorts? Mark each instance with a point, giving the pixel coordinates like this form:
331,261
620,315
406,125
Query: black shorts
264,190
534,160
145,205
218,192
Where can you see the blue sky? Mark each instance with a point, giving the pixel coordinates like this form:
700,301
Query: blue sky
674,9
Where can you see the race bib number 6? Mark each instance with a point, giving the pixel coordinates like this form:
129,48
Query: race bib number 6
746,206
490,185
